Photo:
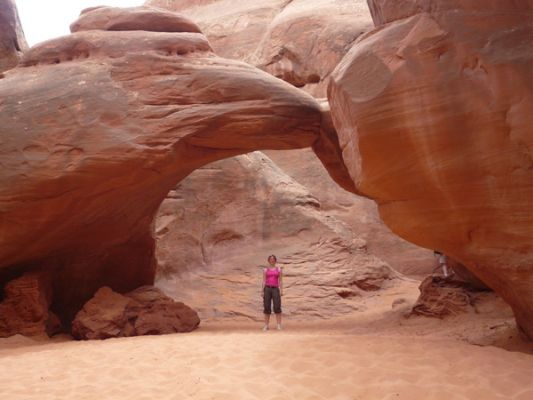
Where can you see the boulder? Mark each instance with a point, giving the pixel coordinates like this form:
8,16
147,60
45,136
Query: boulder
87,159
299,41
433,115
144,311
25,307
441,297
12,41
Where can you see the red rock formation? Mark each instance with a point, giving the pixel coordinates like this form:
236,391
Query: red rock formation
218,226
299,41
132,19
144,311
97,151
433,115
25,307
441,297
12,41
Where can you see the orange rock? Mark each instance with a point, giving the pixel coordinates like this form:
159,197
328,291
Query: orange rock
433,115
144,311
299,41
132,19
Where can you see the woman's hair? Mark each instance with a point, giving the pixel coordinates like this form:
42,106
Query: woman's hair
272,255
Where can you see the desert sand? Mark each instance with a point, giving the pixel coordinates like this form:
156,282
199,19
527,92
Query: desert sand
372,354
220,364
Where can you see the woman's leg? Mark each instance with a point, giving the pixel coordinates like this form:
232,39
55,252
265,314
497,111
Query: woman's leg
276,299
267,306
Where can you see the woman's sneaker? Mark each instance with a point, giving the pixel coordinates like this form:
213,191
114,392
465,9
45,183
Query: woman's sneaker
265,328
279,327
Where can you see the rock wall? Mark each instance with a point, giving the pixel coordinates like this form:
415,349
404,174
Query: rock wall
143,311
12,41
216,229
433,114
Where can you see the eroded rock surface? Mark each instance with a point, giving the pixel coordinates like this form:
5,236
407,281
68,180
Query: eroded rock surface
299,41
12,41
144,311
88,158
441,297
25,307
433,115
216,229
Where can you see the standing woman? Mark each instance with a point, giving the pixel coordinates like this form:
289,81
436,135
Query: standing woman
272,291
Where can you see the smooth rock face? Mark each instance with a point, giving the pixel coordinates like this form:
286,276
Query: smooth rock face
25,307
12,41
88,158
144,311
433,113
212,243
299,41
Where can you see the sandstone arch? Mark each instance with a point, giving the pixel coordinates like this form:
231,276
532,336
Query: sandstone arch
100,125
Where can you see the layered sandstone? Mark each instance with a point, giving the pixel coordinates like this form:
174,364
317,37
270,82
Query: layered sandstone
441,297
88,159
433,116
218,226
12,41
144,311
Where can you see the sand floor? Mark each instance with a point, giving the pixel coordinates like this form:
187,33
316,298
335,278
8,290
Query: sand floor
220,362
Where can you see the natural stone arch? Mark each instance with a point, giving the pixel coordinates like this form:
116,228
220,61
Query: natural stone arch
100,125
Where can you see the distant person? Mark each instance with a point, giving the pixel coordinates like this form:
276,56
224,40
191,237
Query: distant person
442,263
272,291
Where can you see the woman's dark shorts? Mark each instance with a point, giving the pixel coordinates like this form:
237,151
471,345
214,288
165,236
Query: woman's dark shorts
272,295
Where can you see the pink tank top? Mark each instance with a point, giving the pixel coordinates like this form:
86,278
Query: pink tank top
272,276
